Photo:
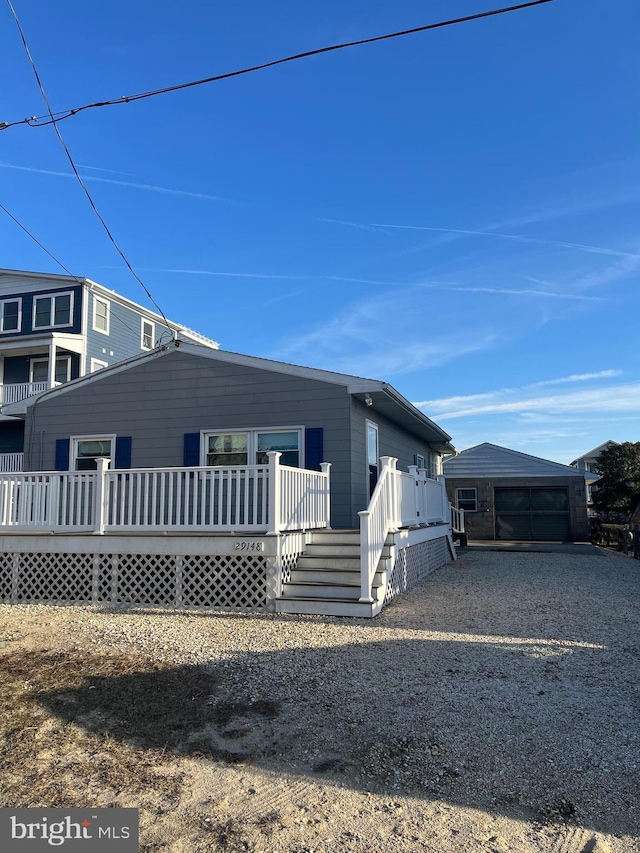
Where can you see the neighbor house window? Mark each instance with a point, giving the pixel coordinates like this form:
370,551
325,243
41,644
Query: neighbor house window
10,315
87,449
52,311
97,364
101,311
39,371
467,499
148,334
250,447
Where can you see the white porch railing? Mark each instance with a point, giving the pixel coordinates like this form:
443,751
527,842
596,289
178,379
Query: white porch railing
254,498
14,392
11,462
457,519
399,500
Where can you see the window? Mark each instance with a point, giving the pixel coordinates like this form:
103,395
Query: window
10,315
40,369
467,499
148,334
89,448
97,364
251,447
51,311
101,312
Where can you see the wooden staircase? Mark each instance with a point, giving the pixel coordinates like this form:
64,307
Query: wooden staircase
326,580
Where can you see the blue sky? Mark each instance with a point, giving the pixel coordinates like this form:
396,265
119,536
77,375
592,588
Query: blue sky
456,212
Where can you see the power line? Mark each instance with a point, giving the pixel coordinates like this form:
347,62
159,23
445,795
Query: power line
58,262
43,121
75,171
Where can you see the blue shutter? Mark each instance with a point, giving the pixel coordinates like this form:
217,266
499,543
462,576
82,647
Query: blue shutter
313,448
123,452
191,449
62,454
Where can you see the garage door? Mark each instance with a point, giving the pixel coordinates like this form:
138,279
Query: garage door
537,514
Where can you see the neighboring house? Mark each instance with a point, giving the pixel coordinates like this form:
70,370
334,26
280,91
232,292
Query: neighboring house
263,454
55,328
506,494
589,463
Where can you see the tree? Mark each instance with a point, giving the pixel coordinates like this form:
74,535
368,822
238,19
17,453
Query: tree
618,490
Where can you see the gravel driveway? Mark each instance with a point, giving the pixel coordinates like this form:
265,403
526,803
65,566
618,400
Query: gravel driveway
494,707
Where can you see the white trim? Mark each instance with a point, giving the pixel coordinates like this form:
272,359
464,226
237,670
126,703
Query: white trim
52,312
97,364
144,320
17,330
252,445
73,445
475,498
107,304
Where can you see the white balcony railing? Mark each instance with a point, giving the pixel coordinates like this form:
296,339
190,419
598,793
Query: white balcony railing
399,500
11,462
14,392
252,499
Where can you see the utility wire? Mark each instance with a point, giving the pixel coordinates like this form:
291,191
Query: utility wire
77,174
43,121
58,262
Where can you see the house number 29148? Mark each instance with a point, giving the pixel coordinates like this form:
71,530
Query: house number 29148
248,546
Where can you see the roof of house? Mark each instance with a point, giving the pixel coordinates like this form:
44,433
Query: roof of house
381,397
593,454
491,460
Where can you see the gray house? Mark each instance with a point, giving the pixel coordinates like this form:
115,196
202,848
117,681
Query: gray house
323,490
506,494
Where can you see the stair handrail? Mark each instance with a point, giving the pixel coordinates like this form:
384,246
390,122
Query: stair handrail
379,519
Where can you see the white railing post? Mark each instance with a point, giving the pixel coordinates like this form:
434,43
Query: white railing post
325,467
445,499
393,507
417,510
274,493
100,497
365,556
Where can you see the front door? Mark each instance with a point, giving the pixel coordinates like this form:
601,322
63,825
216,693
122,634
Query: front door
372,455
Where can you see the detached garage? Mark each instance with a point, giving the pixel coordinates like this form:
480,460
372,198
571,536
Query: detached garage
511,495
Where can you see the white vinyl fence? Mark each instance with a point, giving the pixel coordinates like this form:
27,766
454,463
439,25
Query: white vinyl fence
253,499
399,499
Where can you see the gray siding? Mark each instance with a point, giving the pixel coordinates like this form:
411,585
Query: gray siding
392,441
490,460
124,338
158,401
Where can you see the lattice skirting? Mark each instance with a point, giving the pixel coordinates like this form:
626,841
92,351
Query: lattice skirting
414,563
226,582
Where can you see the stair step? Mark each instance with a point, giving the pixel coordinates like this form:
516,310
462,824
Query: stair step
326,537
333,563
344,577
321,590
336,549
327,607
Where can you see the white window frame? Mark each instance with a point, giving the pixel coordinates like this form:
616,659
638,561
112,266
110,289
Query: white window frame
467,489
3,302
52,311
107,304
33,361
76,439
97,364
153,334
252,441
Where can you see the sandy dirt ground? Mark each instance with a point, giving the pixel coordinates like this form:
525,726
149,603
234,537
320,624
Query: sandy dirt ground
492,708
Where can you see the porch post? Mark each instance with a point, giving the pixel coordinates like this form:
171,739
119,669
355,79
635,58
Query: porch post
417,494
325,467
274,493
393,509
100,498
51,368
445,499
